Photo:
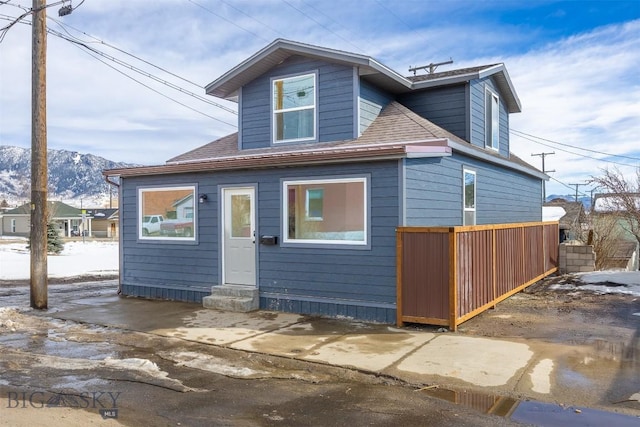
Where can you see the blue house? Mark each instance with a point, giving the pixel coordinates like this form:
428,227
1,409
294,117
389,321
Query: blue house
297,211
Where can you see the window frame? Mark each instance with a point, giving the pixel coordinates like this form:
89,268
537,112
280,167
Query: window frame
492,120
275,111
365,180
162,238
465,209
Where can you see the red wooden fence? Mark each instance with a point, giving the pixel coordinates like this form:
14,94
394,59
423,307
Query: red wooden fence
447,275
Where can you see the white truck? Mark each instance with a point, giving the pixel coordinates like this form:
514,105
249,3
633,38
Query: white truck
151,224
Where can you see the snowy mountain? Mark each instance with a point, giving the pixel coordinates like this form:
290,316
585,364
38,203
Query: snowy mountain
73,177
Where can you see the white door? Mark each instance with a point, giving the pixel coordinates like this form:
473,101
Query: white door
239,241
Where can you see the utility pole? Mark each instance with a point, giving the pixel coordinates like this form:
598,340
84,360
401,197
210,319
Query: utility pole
544,186
38,235
577,185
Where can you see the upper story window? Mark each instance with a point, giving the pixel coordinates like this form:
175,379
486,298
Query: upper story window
294,108
492,120
469,197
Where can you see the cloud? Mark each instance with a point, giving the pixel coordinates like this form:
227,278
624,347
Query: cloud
583,91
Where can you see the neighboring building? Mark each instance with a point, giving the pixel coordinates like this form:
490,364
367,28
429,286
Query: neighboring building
609,206
104,222
69,220
298,210
574,221
613,206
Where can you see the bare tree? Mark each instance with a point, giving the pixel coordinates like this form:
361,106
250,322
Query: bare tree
623,199
604,235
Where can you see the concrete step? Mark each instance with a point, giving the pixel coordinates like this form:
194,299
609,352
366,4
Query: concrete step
234,291
240,299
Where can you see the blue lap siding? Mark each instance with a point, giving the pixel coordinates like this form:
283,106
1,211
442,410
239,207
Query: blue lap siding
433,191
310,280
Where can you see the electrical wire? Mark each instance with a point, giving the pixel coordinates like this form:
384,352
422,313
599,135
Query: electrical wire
571,152
227,20
78,43
64,26
5,30
144,73
321,24
89,52
251,17
519,133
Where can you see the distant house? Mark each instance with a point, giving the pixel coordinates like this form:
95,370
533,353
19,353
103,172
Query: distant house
610,206
573,222
104,222
68,220
298,210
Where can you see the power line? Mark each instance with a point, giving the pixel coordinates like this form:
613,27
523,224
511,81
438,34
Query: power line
225,19
573,146
154,90
566,185
144,73
321,24
65,26
544,170
571,152
81,44
578,185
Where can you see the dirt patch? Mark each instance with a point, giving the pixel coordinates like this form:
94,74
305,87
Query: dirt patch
569,316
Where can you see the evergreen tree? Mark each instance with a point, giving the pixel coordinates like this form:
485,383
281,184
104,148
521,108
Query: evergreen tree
55,245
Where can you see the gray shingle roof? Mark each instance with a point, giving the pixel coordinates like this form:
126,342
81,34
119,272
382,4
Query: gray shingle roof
450,73
56,209
574,213
393,133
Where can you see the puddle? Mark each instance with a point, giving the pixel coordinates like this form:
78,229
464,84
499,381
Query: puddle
533,412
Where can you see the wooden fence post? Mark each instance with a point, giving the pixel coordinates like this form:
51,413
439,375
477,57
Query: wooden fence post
453,280
399,277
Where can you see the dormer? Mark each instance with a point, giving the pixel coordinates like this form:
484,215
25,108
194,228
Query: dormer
472,103
292,93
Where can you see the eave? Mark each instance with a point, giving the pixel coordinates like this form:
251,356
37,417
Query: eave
227,85
431,148
498,72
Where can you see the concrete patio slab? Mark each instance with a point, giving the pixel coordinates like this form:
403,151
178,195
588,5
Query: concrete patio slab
292,341
372,352
222,328
479,361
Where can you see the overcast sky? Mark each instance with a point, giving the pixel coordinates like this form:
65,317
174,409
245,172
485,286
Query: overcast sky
574,65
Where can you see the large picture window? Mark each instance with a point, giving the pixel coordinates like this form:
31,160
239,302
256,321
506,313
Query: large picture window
469,196
294,108
331,211
492,120
167,213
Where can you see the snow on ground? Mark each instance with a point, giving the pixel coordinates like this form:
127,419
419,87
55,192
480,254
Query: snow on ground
605,282
99,258
77,259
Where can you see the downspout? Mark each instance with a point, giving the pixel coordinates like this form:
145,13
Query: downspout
117,185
